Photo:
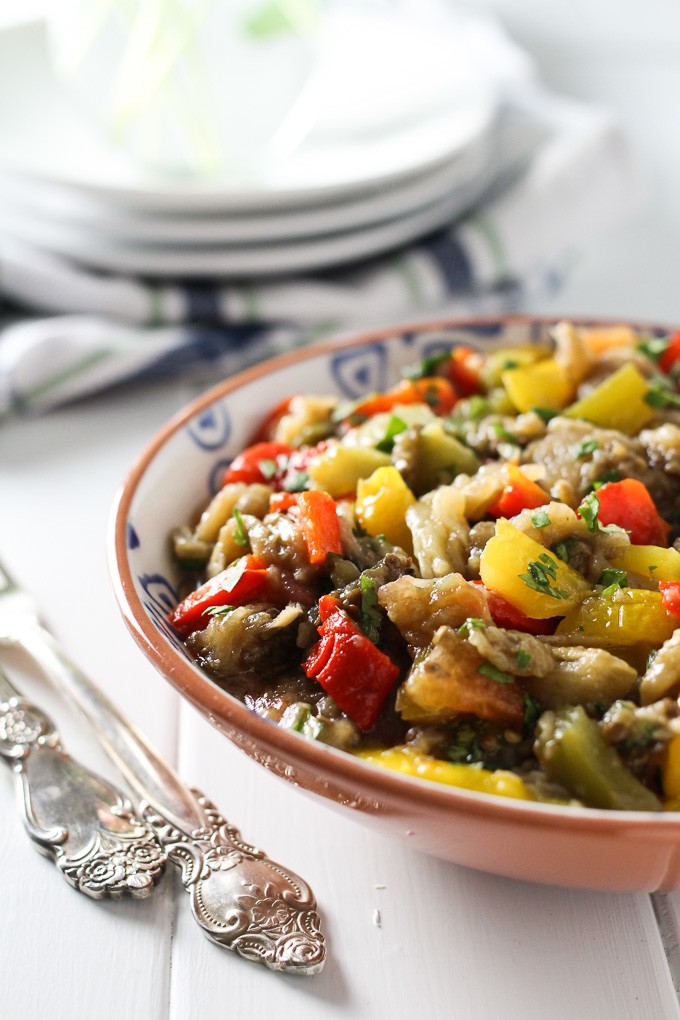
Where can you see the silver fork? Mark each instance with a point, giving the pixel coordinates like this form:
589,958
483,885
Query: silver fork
83,823
241,899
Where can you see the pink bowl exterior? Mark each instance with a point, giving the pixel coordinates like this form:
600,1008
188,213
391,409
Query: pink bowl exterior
579,848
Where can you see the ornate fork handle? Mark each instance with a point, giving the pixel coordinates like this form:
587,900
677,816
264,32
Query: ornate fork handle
240,898
74,817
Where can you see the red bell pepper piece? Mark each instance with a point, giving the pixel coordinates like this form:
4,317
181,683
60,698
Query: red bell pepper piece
433,390
670,596
629,504
267,429
317,517
520,493
262,462
356,674
244,580
504,614
463,371
671,356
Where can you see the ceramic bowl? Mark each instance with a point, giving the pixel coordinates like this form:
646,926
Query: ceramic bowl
179,471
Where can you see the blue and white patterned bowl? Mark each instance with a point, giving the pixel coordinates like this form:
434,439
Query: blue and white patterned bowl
176,475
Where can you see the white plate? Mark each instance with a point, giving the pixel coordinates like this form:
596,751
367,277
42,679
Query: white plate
34,206
56,146
246,261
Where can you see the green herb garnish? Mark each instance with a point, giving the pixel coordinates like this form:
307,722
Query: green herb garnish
297,481
659,396
563,549
546,413
540,519
428,366
541,572
267,468
585,448
502,433
395,426
611,475
472,623
641,735
589,512
218,610
493,673
613,578
652,346
370,618
464,748
523,658
240,534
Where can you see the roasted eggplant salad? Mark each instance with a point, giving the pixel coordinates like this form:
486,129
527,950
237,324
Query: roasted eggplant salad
473,577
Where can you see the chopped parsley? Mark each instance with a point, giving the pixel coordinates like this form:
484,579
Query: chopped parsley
642,734
563,549
472,623
612,578
541,573
659,396
428,366
610,475
240,534
464,747
589,512
395,426
267,468
493,673
532,711
523,658
585,448
546,413
296,481
502,433
540,519
652,346
370,618
218,610
510,363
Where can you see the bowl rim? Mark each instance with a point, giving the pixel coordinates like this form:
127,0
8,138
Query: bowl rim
197,687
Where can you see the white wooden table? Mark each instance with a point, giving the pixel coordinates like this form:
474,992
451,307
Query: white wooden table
408,935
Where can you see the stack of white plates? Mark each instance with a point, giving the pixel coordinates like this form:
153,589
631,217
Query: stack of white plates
340,197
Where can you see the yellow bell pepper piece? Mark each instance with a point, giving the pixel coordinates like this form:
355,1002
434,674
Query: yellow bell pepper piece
382,502
617,403
339,468
504,358
650,561
628,616
529,576
468,777
671,770
545,384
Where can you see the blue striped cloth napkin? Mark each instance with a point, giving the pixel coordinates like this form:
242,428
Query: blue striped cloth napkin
75,331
